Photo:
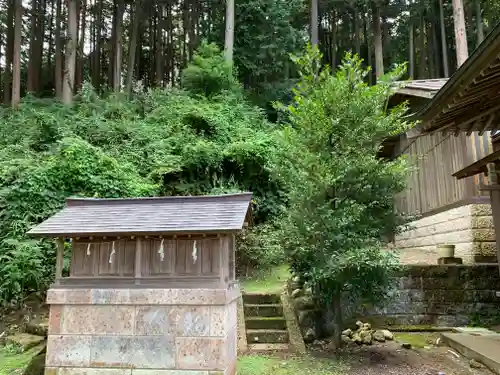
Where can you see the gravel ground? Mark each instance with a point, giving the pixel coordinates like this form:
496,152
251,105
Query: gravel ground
391,359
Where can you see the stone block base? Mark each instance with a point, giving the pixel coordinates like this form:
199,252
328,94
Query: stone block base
142,331
469,228
94,371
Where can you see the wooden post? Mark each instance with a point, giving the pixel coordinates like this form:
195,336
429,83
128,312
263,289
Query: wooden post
138,259
59,260
495,206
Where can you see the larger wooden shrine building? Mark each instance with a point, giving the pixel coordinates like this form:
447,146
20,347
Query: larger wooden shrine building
456,118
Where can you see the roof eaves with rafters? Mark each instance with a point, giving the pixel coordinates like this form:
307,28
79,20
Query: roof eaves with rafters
469,100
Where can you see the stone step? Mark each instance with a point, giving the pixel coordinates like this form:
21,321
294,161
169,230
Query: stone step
267,336
261,298
24,341
265,323
269,347
268,310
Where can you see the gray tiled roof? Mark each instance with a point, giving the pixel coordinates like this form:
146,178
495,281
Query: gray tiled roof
151,216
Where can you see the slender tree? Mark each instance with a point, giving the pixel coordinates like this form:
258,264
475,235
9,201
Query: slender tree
460,32
479,22
377,36
229,35
314,23
7,83
16,60
58,77
444,44
71,50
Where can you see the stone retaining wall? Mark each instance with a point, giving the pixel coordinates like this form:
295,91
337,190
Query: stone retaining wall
469,228
142,331
430,295
451,295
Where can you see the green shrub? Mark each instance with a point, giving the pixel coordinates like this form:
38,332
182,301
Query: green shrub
341,194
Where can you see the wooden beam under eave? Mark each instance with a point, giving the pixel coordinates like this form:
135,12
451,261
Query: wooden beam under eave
488,123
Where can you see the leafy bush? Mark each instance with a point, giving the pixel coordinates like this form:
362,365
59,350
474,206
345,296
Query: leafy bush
341,194
164,142
209,74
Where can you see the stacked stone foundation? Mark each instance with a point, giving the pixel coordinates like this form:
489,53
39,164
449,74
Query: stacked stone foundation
469,228
142,331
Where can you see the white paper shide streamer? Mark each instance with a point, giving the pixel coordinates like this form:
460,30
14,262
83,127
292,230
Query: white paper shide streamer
113,251
161,251
88,249
195,252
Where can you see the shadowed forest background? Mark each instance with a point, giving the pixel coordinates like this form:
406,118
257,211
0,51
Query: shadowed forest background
124,46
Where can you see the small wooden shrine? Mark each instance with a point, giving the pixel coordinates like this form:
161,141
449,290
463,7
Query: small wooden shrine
151,284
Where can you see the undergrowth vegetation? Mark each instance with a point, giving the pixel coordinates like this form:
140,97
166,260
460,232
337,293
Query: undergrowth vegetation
202,139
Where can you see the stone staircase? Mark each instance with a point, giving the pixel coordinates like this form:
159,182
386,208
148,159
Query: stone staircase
265,323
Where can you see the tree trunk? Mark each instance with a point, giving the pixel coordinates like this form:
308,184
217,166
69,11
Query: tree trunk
479,22
169,43
369,59
71,48
81,45
171,48
96,72
460,32
51,33
133,46
314,23
377,36
117,49
229,35
40,46
159,45
432,50
411,50
435,51
58,76
16,60
30,86
334,41
444,44
386,39
422,49
357,27
192,30
9,52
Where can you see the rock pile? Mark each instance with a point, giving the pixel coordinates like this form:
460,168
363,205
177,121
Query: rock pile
365,335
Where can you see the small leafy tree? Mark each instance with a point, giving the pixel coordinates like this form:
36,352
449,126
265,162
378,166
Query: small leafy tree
341,194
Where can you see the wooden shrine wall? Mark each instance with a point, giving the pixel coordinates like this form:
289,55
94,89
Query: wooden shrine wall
180,257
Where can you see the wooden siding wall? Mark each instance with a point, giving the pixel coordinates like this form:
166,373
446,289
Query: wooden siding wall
435,158
98,260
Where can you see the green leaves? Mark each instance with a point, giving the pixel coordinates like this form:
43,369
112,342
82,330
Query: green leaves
341,194
205,139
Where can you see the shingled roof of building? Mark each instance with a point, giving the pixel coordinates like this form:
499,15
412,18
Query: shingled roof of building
423,88
147,216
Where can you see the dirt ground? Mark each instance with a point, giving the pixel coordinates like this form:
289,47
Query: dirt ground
391,359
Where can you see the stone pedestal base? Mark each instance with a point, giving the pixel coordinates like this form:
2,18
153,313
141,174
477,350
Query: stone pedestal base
142,331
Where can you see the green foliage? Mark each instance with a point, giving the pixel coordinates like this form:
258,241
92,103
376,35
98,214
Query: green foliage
267,32
165,142
209,74
341,194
